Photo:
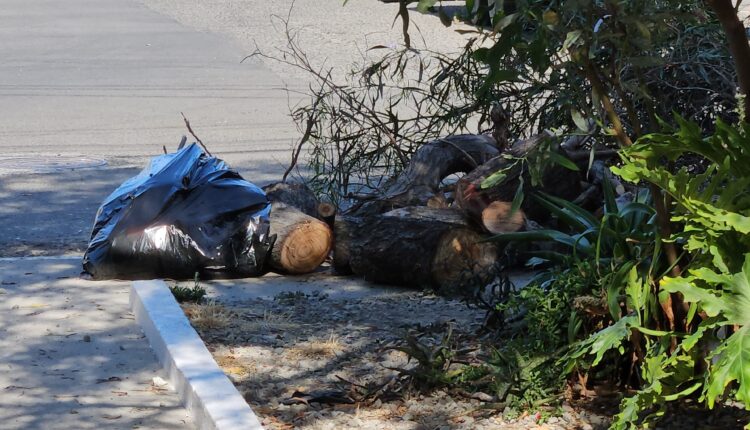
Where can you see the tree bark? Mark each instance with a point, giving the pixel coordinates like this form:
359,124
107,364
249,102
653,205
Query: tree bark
430,164
302,242
446,215
327,213
738,45
472,199
293,194
412,252
344,228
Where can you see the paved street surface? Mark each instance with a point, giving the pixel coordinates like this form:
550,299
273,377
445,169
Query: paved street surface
107,80
73,357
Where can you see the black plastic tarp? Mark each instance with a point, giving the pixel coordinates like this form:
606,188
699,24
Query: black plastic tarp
186,213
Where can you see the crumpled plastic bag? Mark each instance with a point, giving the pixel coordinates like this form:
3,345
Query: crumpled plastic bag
186,213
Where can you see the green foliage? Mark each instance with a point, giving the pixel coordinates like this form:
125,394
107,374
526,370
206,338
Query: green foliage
611,337
433,368
648,58
612,62
545,306
196,294
621,65
726,298
523,369
625,234
521,379
712,209
714,206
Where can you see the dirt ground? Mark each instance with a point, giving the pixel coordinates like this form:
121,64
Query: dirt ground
307,361
323,358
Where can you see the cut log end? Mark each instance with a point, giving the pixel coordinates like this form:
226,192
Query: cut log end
497,218
302,243
305,248
461,259
327,213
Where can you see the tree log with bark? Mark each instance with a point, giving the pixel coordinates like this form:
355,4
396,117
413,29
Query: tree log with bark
411,252
419,183
490,206
303,242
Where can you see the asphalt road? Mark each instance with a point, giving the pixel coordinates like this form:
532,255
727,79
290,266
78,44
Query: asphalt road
89,81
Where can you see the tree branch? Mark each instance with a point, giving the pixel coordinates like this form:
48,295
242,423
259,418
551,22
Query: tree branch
739,46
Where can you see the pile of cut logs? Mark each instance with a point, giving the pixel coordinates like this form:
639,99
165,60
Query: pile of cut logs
418,231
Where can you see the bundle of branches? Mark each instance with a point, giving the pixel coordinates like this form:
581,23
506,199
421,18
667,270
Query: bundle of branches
359,132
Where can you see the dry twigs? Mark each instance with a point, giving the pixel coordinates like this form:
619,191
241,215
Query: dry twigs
190,129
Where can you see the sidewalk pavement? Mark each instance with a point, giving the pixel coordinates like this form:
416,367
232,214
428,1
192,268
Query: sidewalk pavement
72,356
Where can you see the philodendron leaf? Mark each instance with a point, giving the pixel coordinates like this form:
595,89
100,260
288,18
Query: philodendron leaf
730,298
733,365
602,341
612,337
709,300
739,306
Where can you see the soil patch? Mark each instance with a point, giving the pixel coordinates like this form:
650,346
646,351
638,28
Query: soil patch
307,361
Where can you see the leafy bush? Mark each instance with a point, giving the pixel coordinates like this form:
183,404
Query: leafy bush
713,210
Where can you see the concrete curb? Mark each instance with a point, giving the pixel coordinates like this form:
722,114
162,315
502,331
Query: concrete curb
206,392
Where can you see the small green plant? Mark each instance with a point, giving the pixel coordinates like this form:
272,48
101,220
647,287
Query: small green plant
194,294
544,307
434,360
524,380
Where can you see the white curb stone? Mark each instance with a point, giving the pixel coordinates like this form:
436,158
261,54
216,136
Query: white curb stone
207,393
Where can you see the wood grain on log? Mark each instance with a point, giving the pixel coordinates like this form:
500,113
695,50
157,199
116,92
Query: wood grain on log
498,217
302,242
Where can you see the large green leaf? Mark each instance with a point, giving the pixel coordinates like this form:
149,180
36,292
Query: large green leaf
738,311
599,343
733,365
727,295
710,301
